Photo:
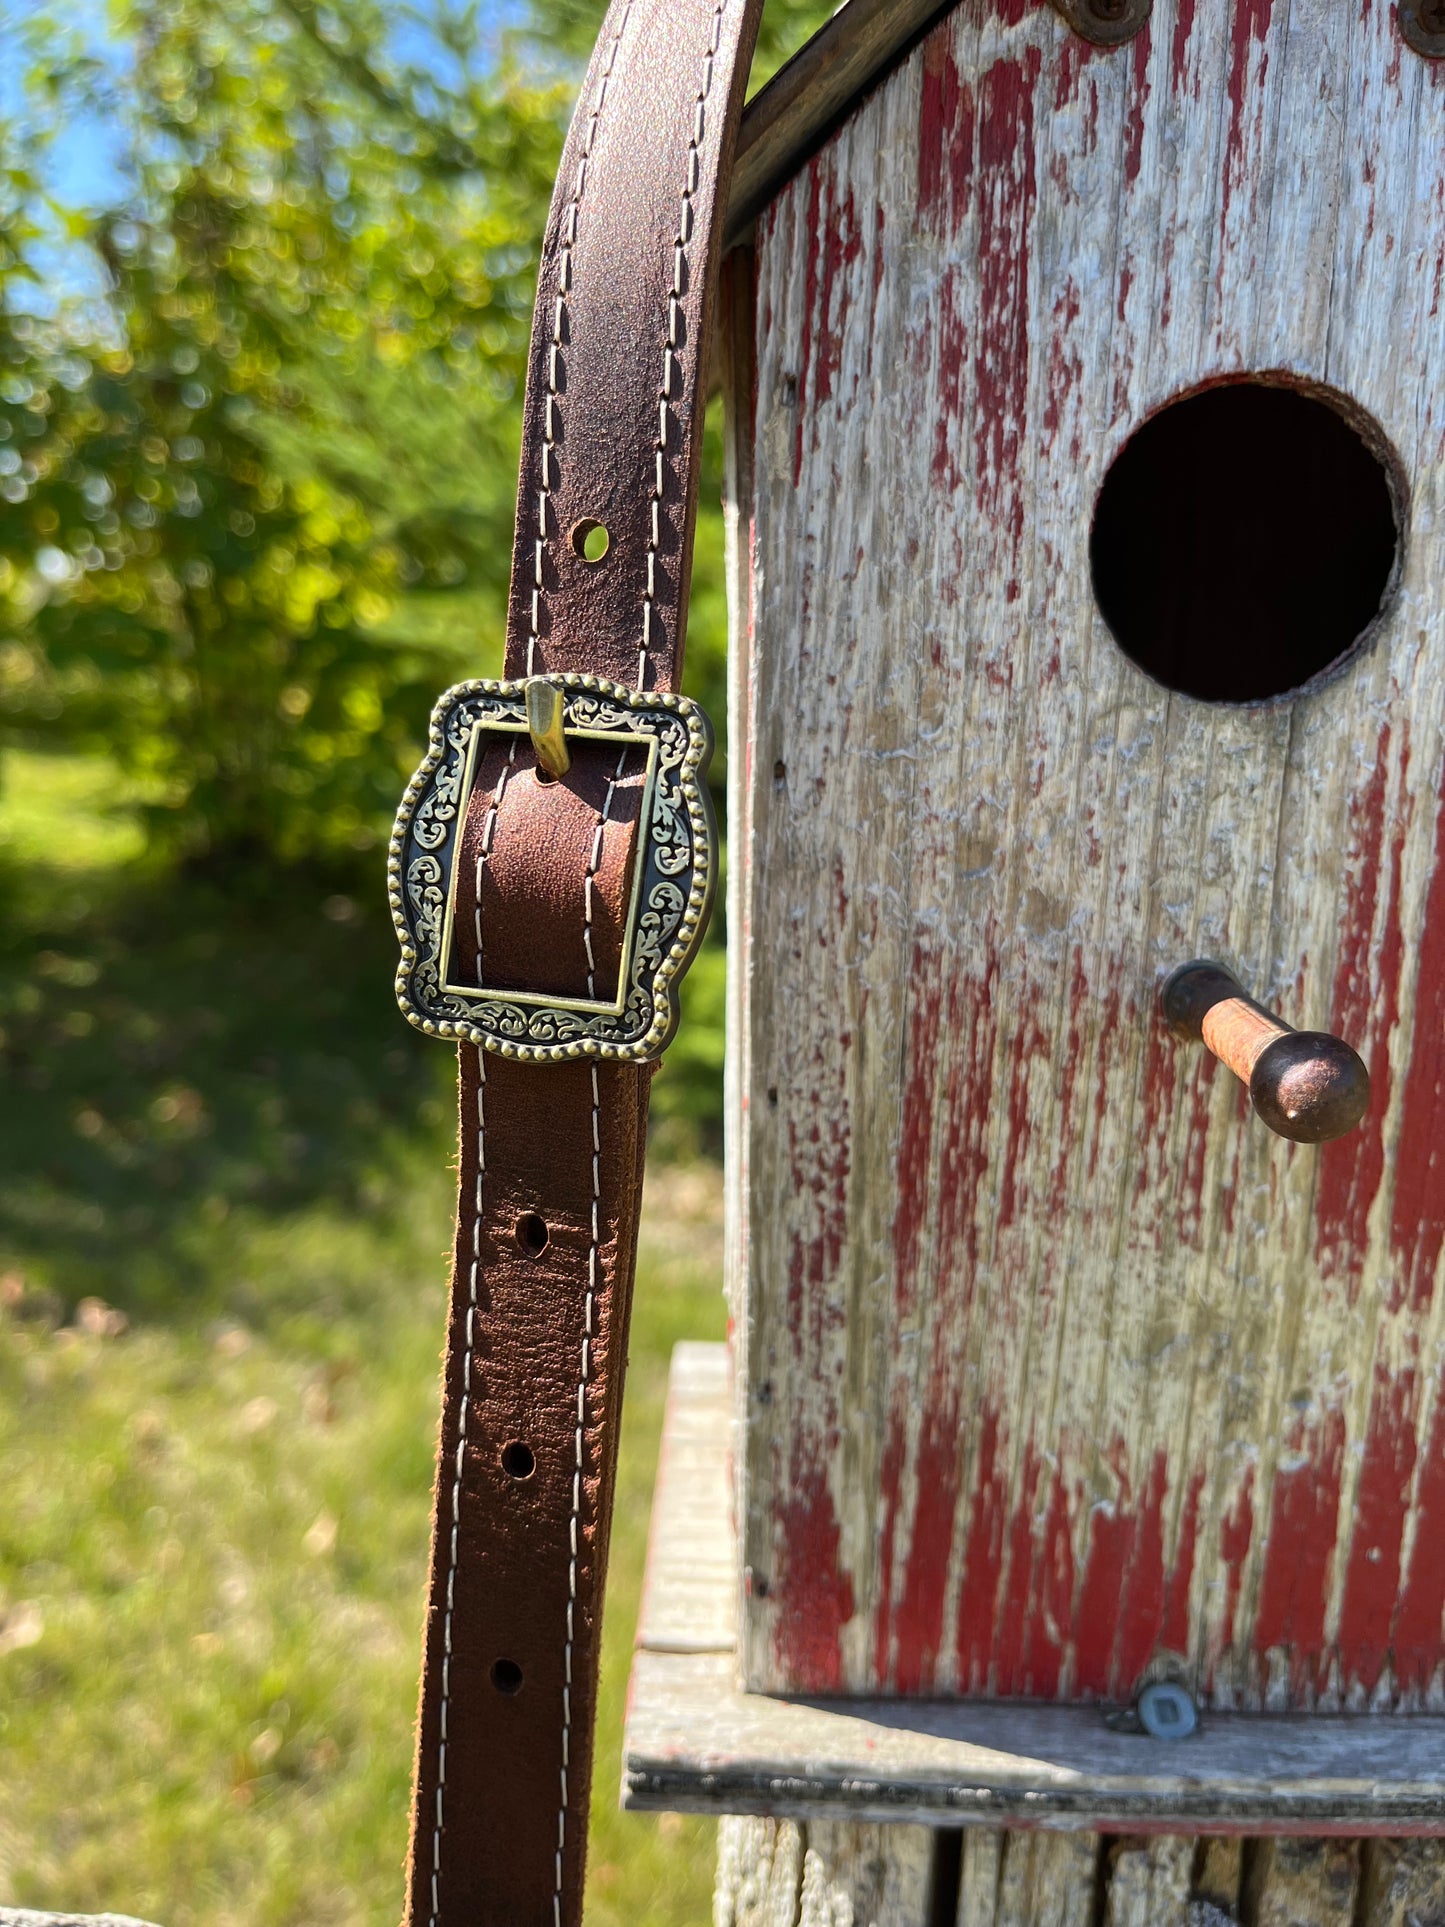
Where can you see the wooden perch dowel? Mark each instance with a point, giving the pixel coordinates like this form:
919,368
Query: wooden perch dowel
1305,1084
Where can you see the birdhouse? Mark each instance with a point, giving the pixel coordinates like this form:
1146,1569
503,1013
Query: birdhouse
1079,1463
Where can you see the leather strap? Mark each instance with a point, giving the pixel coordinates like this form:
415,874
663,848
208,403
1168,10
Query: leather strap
551,1155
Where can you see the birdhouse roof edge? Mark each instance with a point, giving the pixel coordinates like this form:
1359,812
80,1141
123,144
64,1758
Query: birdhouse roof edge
787,121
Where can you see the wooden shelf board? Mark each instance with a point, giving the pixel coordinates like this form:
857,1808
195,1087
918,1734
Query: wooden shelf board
696,1743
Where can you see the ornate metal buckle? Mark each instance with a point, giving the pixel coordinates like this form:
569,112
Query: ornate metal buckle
672,886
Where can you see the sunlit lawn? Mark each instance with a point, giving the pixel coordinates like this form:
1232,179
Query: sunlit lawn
224,1208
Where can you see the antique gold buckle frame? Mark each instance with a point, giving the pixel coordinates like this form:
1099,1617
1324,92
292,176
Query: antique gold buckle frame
673,879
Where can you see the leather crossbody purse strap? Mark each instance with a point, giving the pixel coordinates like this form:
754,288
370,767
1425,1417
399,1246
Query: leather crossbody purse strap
550,877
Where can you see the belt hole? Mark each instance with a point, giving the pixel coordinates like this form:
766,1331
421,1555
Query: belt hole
518,1460
590,540
506,1676
531,1235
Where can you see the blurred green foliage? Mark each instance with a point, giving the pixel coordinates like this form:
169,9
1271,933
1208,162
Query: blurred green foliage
256,494
258,498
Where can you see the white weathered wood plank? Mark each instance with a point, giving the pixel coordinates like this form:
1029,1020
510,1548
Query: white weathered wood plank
1047,1880
689,1595
760,1869
980,1876
1404,1883
1148,1882
1055,1364
775,1874
1302,1883
867,1876
1218,1873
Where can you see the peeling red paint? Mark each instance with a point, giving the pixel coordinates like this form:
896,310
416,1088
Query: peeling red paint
1158,1081
1382,1503
1006,188
1236,1535
1052,1601
1078,1025
1299,1548
1141,1596
1017,1595
1174,1629
841,245
1138,105
952,355
1029,1043
1096,1617
1189,1185
814,1594
1120,1610
982,1558
1364,1007
1417,1224
1419,1630
1183,27
1250,26
946,132
918,1621
1113,1034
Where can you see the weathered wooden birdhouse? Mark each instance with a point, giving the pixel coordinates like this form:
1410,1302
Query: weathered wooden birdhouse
1085,372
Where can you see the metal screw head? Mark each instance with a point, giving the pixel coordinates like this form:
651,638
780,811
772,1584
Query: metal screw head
1166,1711
1422,26
1109,23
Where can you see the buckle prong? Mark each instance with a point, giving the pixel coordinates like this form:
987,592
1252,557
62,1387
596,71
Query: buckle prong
544,726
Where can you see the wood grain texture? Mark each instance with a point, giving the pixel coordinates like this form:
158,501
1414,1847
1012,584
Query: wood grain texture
1404,1883
1218,1870
774,1874
1148,1882
689,1591
1055,1367
1302,1883
867,1876
760,1869
1047,1879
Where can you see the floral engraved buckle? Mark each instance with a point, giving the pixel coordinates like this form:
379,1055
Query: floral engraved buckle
673,878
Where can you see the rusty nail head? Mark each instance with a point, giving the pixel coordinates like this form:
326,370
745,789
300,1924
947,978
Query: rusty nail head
1422,26
1108,23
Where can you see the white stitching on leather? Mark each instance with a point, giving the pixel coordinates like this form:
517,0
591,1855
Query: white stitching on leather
588,1306
594,863
484,850
674,321
559,322
484,847
436,1838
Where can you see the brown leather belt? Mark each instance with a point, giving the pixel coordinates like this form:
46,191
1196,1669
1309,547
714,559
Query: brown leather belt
544,921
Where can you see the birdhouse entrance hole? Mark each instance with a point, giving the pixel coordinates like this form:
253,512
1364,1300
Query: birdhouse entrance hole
1245,538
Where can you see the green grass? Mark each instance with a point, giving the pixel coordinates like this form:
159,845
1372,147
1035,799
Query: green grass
224,1211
